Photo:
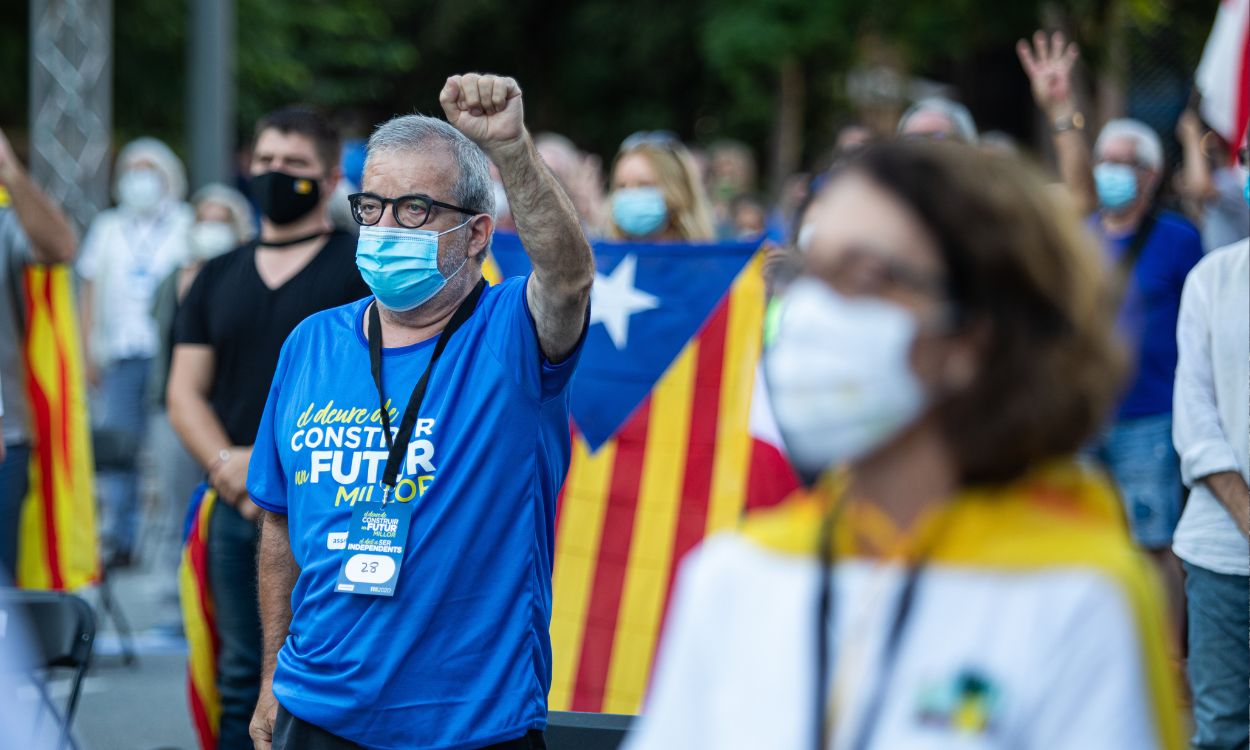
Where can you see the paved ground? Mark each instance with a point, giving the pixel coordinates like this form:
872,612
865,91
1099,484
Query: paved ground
143,705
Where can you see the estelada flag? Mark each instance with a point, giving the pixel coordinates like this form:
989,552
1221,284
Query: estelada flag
672,440
1223,75
57,547
198,620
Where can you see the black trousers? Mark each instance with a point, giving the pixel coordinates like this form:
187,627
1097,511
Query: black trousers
292,733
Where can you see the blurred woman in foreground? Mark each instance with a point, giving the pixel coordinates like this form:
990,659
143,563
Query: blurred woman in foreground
656,192
949,346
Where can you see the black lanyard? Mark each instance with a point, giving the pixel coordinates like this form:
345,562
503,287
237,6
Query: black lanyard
824,655
398,445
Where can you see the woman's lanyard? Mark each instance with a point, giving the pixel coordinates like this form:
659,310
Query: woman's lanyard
894,638
398,445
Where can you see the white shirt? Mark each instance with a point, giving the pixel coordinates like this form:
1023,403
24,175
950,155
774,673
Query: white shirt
1035,627
125,256
1211,410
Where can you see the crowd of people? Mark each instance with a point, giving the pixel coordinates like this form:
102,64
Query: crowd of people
1000,389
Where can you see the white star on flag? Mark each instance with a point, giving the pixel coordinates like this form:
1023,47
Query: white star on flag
614,298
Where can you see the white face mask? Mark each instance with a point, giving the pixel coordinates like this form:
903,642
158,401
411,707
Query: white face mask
141,190
208,239
839,375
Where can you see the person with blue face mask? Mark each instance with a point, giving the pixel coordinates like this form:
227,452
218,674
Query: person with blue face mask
657,194
412,449
1153,251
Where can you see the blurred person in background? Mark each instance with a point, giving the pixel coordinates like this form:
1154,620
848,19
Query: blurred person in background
938,118
1212,433
850,138
731,174
749,216
1152,251
33,230
126,253
228,333
223,221
657,193
1211,184
954,577
580,174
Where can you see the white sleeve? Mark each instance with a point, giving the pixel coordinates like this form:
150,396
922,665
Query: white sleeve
1091,688
1200,441
91,254
676,712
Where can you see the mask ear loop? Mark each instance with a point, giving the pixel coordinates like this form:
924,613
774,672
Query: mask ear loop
459,268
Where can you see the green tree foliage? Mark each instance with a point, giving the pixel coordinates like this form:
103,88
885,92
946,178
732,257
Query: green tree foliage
593,69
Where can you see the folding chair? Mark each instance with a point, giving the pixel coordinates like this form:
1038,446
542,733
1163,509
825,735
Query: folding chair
575,730
62,630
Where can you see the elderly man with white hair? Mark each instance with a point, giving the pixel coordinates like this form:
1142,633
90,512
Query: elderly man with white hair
938,118
412,449
1154,251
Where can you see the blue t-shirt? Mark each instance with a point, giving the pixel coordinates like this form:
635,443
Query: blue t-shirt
460,657
1151,306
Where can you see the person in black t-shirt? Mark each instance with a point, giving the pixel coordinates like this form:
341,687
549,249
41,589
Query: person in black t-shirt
228,334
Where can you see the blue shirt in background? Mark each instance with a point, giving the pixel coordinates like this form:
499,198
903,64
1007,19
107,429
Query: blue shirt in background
1151,307
460,657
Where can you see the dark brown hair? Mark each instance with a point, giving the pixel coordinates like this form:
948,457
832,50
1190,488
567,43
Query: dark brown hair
308,122
1023,269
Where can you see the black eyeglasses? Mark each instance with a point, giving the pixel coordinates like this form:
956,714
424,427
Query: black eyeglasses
411,211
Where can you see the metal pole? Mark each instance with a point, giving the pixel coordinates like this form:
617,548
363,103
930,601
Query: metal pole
210,97
71,102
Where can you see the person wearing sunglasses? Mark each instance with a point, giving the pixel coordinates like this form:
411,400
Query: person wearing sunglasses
953,577
412,449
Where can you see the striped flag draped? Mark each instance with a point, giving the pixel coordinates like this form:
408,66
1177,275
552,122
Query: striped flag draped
672,440
198,622
57,546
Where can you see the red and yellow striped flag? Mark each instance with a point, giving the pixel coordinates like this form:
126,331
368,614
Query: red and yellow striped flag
682,466
57,546
198,621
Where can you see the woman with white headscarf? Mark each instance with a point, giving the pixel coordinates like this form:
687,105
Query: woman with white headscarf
223,222
127,252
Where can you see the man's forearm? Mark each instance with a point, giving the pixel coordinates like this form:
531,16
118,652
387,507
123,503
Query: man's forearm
197,424
550,231
1230,489
546,219
1075,162
276,576
52,239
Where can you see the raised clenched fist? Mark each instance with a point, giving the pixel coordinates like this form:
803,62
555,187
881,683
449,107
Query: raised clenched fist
486,108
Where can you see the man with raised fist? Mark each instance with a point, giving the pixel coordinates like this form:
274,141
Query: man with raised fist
405,583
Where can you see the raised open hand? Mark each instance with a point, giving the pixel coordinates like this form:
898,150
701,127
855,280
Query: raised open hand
1048,64
486,108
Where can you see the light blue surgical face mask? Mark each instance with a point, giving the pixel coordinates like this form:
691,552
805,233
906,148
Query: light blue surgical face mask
1116,184
400,265
639,212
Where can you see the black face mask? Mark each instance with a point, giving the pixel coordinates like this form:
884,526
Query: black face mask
284,198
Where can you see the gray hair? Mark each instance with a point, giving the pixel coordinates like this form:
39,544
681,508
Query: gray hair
234,202
473,189
1146,143
958,114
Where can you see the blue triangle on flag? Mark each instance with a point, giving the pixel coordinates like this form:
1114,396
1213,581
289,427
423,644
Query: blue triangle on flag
649,300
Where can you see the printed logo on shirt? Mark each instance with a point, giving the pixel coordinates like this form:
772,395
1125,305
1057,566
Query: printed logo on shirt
345,447
967,704
336,540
